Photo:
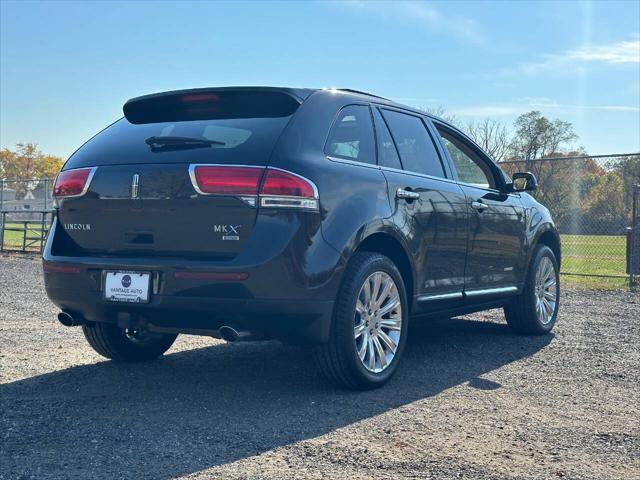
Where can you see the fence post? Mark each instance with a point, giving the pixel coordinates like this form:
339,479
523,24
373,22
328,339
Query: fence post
1,195
633,242
4,218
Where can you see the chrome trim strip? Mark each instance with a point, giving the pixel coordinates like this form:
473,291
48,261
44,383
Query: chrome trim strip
416,174
352,162
441,296
286,201
490,291
87,183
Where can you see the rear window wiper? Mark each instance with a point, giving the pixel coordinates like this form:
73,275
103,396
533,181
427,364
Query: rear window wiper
169,140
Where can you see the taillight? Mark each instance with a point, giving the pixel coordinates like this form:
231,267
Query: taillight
285,189
275,188
73,183
220,180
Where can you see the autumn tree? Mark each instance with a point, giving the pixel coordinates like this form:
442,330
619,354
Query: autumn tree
604,205
26,162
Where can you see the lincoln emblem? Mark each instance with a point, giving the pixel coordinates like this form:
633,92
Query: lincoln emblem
134,185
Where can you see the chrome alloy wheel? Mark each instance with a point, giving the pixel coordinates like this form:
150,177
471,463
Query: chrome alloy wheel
546,290
378,322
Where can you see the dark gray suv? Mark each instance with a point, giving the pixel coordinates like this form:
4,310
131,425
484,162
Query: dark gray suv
326,218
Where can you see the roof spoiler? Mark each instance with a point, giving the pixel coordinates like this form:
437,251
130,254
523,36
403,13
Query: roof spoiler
214,103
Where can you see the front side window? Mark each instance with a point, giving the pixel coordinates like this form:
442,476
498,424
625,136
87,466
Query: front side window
417,150
351,136
471,169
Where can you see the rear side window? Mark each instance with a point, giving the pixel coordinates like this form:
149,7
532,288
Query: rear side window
351,136
387,153
417,150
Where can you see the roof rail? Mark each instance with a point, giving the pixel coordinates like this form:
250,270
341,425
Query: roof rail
351,90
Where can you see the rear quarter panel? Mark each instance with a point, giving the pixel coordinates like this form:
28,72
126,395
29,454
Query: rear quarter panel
353,197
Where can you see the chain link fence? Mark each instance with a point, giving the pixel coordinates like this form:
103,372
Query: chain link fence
591,199
26,195
25,213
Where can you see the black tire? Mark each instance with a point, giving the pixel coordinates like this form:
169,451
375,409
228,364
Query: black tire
521,313
112,342
338,359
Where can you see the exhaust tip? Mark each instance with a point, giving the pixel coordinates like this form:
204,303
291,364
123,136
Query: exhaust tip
229,334
69,320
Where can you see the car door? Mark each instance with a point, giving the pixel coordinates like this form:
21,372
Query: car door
495,250
427,204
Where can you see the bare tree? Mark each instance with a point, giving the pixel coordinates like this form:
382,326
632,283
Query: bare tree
442,113
492,136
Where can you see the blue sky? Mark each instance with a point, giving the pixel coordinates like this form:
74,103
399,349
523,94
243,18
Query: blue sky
66,68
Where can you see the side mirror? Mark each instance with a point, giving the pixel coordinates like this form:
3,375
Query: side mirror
524,182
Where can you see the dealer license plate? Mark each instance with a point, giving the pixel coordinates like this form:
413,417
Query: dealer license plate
130,287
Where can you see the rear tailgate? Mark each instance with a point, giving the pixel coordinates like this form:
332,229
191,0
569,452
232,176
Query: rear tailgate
141,199
167,217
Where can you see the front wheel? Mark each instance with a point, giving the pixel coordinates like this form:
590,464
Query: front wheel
126,345
369,326
535,310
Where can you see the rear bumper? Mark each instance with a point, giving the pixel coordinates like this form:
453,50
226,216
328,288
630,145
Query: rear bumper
281,297
304,321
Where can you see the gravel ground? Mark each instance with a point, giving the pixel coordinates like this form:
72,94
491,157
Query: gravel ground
470,401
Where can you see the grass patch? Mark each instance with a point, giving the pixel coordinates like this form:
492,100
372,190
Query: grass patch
596,255
13,239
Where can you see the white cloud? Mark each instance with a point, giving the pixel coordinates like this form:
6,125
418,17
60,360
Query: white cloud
422,14
620,52
547,103
578,59
529,103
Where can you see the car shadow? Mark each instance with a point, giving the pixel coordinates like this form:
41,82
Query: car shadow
205,407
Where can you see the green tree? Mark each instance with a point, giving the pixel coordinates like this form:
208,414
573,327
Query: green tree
535,136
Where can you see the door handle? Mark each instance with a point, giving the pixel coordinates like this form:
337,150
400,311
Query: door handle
479,206
407,194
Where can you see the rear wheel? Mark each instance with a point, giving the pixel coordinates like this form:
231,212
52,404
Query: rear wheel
535,310
126,345
369,326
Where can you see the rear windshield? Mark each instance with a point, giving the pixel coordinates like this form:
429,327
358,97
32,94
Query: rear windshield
236,137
